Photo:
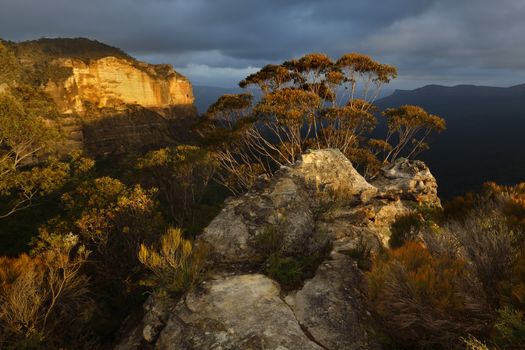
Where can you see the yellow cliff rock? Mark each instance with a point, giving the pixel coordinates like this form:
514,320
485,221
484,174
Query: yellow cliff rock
115,82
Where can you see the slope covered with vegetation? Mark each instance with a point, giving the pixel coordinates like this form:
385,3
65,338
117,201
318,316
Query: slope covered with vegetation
104,233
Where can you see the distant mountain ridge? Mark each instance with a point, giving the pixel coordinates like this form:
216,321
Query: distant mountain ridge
484,140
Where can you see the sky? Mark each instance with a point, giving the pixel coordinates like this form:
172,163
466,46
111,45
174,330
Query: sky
219,42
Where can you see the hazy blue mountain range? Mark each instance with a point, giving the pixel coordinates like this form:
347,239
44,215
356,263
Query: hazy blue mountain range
485,136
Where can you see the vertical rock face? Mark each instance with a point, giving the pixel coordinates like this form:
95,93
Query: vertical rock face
116,82
140,106
322,197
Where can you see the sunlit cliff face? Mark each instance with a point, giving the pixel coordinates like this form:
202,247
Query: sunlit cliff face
114,82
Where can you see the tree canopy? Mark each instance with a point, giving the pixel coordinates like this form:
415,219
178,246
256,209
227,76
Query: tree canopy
27,137
312,102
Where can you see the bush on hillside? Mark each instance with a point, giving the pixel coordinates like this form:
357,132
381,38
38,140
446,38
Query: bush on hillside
426,301
485,240
176,265
44,296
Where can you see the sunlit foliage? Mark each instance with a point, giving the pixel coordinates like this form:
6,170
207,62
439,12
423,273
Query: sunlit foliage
27,138
311,102
177,264
45,295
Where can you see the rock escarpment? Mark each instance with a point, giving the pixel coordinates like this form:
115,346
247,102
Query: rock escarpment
117,82
124,105
321,198
111,102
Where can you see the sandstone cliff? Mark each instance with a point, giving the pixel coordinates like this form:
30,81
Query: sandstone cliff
111,102
123,105
320,201
117,82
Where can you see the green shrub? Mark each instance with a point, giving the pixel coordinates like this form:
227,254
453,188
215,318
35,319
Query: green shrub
510,328
362,254
177,264
290,270
404,229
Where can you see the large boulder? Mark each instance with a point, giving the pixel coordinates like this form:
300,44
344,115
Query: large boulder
331,306
237,312
283,204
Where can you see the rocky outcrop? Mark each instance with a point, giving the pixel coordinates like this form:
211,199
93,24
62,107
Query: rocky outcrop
409,180
322,197
289,200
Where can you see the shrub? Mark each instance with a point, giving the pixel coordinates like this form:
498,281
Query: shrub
458,207
290,270
177,264
362,254
43,296
486,241
404,229
426,301
510,328
513,289
472,343
513,201
407,227
182,174
112,220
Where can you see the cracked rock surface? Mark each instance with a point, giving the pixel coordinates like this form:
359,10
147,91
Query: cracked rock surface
322,195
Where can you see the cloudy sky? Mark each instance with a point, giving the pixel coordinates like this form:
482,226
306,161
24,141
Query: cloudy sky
218,42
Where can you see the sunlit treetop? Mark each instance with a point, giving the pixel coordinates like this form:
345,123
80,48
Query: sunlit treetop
313,62
270,77
408,115
359,63
230,102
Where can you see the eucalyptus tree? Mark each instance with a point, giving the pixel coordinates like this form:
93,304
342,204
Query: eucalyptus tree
312,102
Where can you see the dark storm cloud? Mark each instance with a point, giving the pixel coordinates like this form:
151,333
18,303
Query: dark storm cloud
219,41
